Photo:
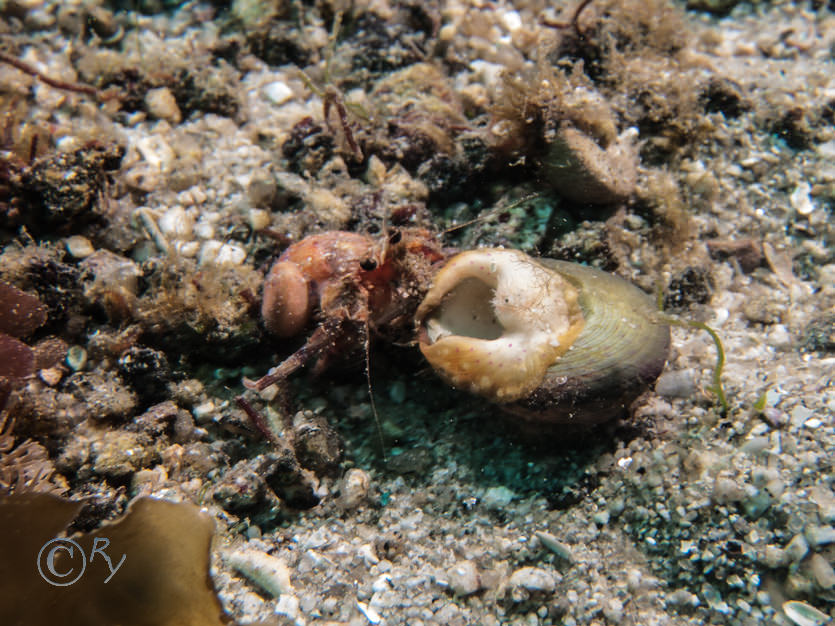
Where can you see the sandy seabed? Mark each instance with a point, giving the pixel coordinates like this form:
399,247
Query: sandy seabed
145,195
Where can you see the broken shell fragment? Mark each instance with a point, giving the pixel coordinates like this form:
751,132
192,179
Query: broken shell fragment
589,170
552,342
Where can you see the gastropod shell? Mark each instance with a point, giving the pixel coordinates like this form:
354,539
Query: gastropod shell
552,342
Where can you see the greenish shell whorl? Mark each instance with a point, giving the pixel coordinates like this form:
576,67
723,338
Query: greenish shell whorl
622,349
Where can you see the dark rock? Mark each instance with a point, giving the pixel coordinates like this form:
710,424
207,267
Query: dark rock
132,85
61,192
287,478
794,128
241,489
747,252
101,502
819,334
717,7
58,286
412,461
723,96
451,178
203,93
147,371
280,44
318,447
384,45
692,286
166,419
308,147
389,545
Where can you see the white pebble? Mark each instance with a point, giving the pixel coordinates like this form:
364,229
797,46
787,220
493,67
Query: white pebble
812,423
370,614
381,583
230,254
533,579
820,535
797,548
368,555
267,571
800,200
288,606
554,545
779,337
800,415
51,376
827,150
803,614
79,247
161,104
676,384
176,223
512,20
156,151
204,230
278,92
464,579
258,219
187,249
488,73
204,412
215,252
498,497
822,571
355,486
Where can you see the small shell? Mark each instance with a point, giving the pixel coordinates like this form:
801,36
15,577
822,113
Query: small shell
804,614
584,171
552,342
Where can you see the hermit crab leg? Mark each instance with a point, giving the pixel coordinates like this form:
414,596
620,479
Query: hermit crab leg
312,348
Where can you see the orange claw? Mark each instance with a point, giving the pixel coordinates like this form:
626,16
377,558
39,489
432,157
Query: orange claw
287,304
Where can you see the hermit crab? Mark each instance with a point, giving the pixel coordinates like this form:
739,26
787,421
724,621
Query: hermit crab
551,342
353,285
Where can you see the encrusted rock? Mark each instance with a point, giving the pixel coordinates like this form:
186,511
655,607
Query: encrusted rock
464,579
529,581
162,104
288,480
240,489
105,395
147,371
118,454
166,419
585,171
318,447
819,334
676,384
354,489
62,191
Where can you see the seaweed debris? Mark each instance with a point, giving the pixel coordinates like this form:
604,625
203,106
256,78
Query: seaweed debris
162,580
